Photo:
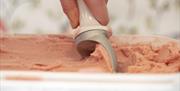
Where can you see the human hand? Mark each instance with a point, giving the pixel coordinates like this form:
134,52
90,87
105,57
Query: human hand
98,9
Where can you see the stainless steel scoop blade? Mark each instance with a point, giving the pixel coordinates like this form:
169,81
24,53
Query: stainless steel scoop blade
86,43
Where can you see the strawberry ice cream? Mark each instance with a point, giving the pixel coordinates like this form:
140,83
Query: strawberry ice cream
135,54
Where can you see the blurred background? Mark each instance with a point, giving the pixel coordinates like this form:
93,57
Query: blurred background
159,17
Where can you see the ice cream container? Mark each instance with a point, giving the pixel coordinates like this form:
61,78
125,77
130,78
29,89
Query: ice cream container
29,80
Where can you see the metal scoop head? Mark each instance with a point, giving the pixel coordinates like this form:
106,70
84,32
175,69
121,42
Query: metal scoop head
86,44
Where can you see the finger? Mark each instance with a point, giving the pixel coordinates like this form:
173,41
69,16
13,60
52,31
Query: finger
106,1
99,10
70,8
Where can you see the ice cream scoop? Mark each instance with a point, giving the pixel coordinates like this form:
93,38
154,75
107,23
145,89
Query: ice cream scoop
90,33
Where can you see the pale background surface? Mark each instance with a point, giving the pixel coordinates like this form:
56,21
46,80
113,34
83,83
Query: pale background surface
127,17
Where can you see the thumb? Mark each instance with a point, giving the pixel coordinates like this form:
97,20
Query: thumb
70,8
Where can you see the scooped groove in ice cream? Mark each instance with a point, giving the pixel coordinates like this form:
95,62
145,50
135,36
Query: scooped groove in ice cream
135,54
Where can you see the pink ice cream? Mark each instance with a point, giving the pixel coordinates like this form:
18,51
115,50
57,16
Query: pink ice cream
135,54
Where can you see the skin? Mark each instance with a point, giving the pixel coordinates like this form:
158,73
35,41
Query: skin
98,8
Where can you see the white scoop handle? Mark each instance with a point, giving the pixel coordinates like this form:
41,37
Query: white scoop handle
87,21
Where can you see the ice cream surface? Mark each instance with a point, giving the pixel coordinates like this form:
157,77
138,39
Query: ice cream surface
135,54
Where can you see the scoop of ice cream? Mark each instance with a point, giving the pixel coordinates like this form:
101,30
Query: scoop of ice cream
135,54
